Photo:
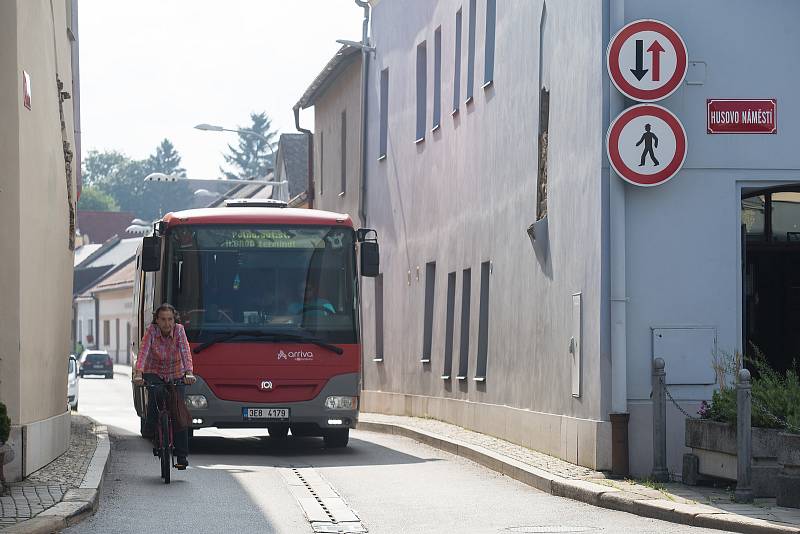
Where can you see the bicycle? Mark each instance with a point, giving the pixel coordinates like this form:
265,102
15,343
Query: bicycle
163,445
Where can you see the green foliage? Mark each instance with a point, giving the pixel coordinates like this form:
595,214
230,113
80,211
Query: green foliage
94,199
5,423
772,392
122,178
252,158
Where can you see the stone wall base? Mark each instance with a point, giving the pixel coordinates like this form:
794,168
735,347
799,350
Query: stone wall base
585,442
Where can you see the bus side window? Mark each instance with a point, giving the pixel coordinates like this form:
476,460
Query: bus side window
149,290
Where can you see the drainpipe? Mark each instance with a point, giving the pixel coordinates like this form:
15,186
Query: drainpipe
619,366
310,136
362,200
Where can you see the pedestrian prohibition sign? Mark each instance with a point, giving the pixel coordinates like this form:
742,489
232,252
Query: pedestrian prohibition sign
647,60
646,145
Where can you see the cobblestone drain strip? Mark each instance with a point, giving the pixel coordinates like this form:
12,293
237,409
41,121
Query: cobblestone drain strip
637,503
324,508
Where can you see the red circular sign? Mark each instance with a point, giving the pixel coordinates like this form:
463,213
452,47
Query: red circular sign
638,137
647,60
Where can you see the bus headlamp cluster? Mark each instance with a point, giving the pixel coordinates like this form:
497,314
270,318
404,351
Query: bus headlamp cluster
341,402
196,402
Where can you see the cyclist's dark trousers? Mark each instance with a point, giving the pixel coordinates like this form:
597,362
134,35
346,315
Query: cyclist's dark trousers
180,437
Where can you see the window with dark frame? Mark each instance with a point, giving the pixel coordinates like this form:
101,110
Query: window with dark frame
449,326
437,78
471,52
463,359
488,64
106,333
384,124
457,65
344,153
422,89
483,323
430,292
321,162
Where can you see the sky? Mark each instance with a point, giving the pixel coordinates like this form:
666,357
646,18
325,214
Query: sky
153,69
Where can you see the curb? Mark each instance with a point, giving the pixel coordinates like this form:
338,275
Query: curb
77,504
697,515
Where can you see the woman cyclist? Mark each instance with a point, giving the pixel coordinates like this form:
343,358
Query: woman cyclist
164,355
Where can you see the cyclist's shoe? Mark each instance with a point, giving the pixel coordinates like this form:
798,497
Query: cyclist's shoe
181,463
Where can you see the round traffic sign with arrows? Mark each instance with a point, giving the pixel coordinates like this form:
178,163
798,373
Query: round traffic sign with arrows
647,60
646,145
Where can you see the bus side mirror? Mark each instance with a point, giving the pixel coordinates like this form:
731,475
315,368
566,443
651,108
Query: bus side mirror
370,256
151,254
370,259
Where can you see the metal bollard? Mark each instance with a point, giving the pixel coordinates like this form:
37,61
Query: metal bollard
660,472
744,441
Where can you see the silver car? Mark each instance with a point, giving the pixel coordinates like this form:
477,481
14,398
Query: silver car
72,382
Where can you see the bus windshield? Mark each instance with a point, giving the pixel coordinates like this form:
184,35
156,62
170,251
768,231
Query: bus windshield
292,280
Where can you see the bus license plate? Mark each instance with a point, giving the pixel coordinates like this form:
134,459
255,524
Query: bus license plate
265,413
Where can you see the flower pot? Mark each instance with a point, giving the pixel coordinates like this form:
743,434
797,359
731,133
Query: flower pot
789,477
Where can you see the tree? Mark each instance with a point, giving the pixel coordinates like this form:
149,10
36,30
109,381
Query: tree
94,199
122,179
252,158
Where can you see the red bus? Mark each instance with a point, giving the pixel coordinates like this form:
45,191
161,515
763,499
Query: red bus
268,296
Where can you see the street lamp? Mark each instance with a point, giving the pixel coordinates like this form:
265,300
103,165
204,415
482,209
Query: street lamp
214,128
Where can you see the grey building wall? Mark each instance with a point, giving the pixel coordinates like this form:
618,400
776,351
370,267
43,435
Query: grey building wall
464,196
344,94
683,237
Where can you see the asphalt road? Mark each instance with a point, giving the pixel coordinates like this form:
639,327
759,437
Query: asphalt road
241,481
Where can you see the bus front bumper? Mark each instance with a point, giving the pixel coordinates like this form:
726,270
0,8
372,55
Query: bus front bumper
309,414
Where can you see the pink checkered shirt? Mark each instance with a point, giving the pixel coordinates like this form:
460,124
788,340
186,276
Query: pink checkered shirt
167,356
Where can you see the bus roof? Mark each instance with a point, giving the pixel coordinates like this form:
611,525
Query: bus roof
246,215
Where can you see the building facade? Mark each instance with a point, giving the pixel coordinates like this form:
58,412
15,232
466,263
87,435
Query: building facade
525,288
38,162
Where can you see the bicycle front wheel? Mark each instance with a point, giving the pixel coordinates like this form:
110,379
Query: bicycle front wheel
166,451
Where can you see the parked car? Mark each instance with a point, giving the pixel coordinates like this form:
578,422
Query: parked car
96,362
72,382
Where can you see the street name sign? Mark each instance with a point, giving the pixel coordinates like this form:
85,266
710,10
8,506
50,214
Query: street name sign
647,60
646,145
734,116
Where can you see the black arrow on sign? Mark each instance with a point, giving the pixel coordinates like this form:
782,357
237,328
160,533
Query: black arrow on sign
639,71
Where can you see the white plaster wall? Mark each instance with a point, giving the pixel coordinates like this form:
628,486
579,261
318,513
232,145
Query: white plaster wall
85,313
115,305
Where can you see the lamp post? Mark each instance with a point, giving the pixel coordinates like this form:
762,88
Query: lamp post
215,128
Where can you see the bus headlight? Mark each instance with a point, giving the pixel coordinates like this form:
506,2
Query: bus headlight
196,402
340,402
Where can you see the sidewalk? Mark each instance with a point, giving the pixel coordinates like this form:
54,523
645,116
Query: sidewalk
64,491
675,502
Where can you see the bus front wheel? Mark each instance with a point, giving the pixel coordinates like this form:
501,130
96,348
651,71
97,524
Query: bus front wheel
336,438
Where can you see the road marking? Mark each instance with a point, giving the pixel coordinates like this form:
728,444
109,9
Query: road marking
324,508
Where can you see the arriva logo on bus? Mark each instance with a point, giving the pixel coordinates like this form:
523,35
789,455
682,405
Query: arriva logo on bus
300,355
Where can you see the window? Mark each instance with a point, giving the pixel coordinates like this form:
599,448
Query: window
379,318
437,78
488,65
422,85
471,51
449,323
344,153
457,66
106,333
483,323
463,360
384,114
321,162
80,332
427,337
90,332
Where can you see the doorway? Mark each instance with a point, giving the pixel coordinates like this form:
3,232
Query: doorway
771,274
